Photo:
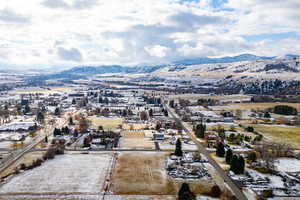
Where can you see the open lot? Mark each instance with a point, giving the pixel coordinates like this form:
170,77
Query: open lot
136,140
66,174
282,134
141,173
145,174
106,122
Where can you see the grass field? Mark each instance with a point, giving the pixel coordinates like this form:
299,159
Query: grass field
141,173
197,96
66,174
47,90
255,106
107,123
145,174
282,134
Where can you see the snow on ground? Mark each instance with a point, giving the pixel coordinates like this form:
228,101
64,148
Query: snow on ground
64,174
288,165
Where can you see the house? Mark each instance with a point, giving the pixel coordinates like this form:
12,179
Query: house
158,136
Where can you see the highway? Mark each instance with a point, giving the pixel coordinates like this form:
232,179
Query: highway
236,191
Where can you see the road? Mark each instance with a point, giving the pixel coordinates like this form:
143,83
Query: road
236,191
46,131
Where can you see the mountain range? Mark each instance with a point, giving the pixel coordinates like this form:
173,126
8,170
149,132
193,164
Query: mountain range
103,69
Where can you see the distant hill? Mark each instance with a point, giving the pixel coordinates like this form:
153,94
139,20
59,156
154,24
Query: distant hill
151,68
228,59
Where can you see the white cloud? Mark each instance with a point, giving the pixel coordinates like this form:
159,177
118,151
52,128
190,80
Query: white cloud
157,50
70,32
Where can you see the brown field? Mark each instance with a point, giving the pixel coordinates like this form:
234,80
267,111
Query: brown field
107,123
133,126
195,97
133,134
141,173
144,173
255,106
137,143
282,134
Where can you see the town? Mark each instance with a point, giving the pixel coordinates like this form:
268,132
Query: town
88,141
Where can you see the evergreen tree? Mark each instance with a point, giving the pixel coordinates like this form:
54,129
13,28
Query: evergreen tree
234,164
151,113
40,117
75,134
178,150
220,150
71,121
73,101
185,193
166,113
200,130
241,165
171,104
228,156
57,111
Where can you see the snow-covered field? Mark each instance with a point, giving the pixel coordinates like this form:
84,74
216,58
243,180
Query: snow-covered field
288,165
72,173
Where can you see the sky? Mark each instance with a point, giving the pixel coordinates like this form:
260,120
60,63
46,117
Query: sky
64,33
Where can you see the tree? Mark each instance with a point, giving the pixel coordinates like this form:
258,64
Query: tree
171,103
185,193
166,113
86,142
75,133
71,121
237,164
178,150
220,150
241,165
151,113
267,115
200,130
215,191
57,111
285,110
228,156
40,117
73,101
83,124
234,164
56,132
143,116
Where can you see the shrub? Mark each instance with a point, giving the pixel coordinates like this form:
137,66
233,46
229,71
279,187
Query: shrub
22,166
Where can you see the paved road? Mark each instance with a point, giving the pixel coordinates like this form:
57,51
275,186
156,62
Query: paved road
46,131
236,191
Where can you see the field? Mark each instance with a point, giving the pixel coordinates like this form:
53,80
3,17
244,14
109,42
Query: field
107,123
27,159
48,90
200,96
141,173
145,174
66,174
255,106
136,140
282,134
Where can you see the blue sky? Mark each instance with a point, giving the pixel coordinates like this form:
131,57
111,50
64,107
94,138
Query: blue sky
62,33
